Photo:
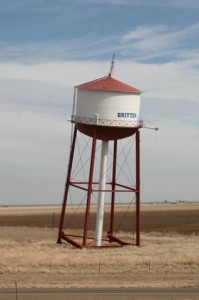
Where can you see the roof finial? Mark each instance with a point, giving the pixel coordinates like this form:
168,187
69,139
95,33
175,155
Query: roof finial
112,65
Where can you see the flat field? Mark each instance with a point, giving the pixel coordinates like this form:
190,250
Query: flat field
168,256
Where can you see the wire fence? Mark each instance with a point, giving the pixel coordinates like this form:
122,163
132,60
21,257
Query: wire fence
120,294
66,295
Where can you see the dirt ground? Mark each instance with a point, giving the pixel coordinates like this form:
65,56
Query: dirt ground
179,218
168,256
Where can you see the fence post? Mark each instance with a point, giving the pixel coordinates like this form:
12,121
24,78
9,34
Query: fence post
53,221
16,290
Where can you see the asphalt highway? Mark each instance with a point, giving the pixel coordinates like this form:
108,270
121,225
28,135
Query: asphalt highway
96,294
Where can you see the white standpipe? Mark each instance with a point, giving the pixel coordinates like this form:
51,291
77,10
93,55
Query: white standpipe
102,185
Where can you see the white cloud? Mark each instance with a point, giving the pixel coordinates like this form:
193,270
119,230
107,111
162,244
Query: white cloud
159,3
169,162
82,47
143,43
33,157
41,5
52,82
144,32
160,41
36,101
57,73
36,92
170,81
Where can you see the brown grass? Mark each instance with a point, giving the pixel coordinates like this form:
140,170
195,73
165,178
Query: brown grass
30,256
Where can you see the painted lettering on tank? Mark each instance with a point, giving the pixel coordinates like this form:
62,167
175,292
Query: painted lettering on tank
126,115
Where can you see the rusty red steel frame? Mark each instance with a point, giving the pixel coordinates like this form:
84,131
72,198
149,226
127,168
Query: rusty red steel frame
110,240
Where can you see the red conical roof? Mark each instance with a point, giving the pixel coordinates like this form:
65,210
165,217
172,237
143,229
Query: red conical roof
108,84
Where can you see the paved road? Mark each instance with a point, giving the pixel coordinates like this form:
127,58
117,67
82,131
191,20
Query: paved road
96,294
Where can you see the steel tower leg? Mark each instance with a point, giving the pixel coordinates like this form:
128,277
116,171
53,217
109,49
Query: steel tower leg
138,188
67,186
90,182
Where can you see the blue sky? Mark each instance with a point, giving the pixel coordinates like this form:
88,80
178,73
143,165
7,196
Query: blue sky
47,47
74,29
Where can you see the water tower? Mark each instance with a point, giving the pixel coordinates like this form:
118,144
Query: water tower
108,110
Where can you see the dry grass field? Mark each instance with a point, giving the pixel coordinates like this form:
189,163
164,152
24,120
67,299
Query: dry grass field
168,256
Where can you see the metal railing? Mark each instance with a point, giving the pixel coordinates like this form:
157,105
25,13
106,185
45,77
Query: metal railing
106,122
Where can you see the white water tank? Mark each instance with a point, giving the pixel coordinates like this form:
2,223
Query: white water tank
108,104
